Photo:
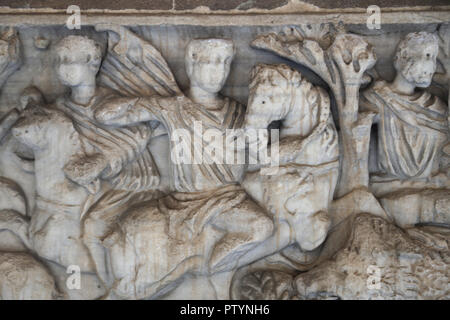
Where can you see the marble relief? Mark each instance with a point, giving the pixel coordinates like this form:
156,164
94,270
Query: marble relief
119,179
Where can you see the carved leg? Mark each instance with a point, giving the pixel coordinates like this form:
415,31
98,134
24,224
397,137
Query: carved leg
99,221
95,229
246,226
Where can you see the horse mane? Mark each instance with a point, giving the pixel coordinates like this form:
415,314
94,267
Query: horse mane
291,80
55,117
275,75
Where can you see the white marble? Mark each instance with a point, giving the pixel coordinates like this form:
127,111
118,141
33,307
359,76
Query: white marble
138,163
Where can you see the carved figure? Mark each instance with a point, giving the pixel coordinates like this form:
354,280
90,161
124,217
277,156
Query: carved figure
378,261
207,195
412,132
154,193
303,186
114,163
22,277
412,124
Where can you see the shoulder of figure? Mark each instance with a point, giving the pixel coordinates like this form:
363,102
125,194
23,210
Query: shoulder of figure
377,86
162,102
368,100
436,104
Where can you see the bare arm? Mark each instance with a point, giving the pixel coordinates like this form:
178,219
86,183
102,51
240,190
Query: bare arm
125,111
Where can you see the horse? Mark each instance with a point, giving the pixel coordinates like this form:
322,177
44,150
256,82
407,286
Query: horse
54,231
157,262
54,228
301,188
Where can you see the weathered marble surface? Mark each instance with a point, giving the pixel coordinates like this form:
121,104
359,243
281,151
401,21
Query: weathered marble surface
411,268
90,122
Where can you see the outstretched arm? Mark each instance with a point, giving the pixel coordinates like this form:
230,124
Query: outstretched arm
126,111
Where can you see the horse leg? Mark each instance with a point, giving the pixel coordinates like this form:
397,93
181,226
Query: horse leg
247,225
94,230
99,222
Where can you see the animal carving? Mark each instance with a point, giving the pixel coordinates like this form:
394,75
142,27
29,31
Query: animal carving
54,230
301,188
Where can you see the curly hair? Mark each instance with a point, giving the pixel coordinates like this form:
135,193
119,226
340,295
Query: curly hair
280,75
414,42
196,47
79,49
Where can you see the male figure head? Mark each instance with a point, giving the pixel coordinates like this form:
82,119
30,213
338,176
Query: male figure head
208,63
415,61
78,60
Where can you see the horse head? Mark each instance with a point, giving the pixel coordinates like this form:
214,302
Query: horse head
39,126
272,93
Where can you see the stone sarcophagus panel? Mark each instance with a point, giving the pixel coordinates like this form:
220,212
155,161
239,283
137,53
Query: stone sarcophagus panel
197,149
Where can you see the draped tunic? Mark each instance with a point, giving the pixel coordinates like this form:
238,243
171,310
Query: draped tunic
130,165
412,131
182,113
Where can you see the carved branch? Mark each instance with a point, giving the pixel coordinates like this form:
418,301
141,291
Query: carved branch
342,65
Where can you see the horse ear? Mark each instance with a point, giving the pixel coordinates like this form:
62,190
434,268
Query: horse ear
296,78
257,69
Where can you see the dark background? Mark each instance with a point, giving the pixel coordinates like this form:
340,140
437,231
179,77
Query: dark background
212,4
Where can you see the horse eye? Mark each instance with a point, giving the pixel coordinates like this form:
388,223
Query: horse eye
263,102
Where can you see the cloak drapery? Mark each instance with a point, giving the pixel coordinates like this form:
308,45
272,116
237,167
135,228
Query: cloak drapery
412,131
